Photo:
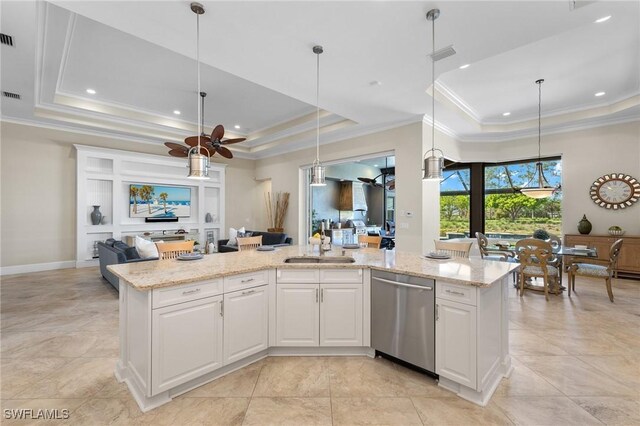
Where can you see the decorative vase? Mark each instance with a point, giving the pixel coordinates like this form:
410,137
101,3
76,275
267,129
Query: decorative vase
280,230
96,215
584,226
208,218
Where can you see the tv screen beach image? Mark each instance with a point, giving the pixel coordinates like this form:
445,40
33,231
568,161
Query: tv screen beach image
159,201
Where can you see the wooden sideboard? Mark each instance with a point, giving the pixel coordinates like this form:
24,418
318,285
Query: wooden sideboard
629,260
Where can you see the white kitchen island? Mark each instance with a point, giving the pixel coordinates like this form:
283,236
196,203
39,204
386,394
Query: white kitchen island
183,324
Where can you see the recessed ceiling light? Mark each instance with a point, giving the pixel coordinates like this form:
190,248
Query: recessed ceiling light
465,66
603,19
91,91
506,114
600,94
176,112
237,126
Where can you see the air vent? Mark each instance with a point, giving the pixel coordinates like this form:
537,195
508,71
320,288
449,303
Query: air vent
10,95
577,4
445,52
6,39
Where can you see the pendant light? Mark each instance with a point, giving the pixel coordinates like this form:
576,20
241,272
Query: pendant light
317,169
434,163
541,189
198,162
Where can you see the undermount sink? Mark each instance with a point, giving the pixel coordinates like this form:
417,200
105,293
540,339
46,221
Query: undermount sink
319,259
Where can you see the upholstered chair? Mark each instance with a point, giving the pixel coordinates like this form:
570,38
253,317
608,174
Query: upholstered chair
596,268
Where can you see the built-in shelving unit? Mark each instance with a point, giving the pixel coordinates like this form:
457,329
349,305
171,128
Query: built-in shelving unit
103,178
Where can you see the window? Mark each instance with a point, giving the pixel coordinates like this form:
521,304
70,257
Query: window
455,203
512,215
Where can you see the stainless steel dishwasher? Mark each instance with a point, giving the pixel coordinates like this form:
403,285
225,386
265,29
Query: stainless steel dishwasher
403,319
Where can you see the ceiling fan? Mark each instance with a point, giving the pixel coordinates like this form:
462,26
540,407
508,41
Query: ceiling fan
209,144
390,184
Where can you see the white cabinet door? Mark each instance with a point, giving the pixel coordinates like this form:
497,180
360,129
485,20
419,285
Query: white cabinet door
186,342
246,323
341,314
456,342
298,315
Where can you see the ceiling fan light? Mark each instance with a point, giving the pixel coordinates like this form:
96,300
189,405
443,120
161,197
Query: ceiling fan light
198,165
317,175
433,166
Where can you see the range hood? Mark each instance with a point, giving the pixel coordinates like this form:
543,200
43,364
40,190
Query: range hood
351,196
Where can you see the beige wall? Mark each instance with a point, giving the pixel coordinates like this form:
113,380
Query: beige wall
38,197
406,142
586,155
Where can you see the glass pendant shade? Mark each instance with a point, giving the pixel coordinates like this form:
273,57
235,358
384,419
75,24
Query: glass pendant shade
433,166
198,165
317,175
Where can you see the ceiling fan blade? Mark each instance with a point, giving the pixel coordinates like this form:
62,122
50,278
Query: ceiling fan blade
218,132
367,180
193,140
230,141
224,152
176,146
178,153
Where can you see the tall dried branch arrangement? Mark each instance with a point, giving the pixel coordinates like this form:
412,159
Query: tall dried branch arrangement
277,207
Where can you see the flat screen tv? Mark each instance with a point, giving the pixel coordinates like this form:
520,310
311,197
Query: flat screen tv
159,201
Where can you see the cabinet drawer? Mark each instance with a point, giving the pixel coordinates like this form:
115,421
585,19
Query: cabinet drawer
341,276
248,280
456,292
298,276
184,293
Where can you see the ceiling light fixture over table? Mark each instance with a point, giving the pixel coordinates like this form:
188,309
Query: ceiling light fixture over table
541,189
317,169
434,163
201,147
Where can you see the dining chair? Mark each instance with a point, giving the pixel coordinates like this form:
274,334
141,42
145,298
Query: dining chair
174,249
454,248
535,262
370,240
249,243
597,268
556,245
497,255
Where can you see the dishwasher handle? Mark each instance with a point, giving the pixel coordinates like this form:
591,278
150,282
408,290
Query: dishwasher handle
419,287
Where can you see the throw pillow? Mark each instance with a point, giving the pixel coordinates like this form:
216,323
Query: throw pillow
146,248
233,235
131,253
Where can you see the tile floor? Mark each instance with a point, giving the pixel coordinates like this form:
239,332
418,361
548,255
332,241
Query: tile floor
576,362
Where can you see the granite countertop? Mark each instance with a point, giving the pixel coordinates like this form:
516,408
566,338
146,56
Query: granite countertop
166,273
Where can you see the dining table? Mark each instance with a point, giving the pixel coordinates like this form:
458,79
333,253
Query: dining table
566,256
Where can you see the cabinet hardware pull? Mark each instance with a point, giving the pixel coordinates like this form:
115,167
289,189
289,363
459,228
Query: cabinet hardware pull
316,295
248,292
247,280
437,313
184,293
322,295
459,293
222,308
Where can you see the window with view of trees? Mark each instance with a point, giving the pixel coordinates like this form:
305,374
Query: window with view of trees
507,212
454,203
510,214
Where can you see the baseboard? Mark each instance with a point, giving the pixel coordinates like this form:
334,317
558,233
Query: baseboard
37,267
